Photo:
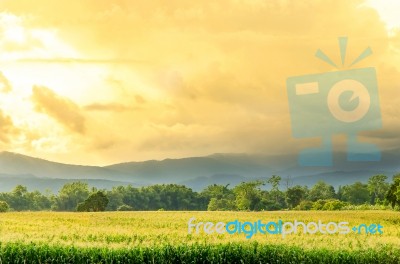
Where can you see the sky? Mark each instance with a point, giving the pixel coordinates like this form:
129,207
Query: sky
105,81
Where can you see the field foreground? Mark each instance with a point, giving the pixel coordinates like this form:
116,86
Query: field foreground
162,237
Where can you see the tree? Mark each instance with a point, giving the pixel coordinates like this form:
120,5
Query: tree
170,197
321,191
39,201
221,204
96,202
218,198
288,181
115,198
334,204
19,200
70,195
356,193
377,187
294,195
248,195
4,206
304,205
274,181
393,194
275,192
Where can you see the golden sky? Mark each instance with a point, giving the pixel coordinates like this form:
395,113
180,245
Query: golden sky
105,81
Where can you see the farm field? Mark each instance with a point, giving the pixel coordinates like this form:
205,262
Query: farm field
42,236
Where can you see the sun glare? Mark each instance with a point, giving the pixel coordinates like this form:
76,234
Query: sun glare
388,11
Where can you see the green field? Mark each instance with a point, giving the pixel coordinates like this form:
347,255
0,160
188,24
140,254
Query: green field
156,237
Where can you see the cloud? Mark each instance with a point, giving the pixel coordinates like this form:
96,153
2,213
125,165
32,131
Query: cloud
5,85
114,107
211,76
7,128
62,109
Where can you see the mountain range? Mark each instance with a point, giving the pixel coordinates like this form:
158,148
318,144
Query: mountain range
194,172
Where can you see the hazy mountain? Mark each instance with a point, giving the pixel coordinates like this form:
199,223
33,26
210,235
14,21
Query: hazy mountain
200,183
178,170
17,164
8,182
194,172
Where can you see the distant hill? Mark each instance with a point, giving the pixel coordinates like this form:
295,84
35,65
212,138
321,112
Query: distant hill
182,170
17,164
194,172
8,182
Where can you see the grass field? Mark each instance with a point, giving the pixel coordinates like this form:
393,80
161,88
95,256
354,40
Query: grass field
122,237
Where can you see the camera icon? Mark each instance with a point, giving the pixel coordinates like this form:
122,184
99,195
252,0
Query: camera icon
339,102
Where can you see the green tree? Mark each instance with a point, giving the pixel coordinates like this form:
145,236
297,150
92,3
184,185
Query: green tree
294,195
70,195
115,197
356,193
304,205
334,204
39,201
218,198
275,199
19,198
96,202
328,204
221,204
321,191
248,195
378,187
393,194
4,206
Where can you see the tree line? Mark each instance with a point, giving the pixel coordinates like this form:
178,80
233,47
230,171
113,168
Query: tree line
247,196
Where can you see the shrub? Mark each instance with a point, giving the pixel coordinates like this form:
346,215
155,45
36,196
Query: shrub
329,205
318,205
4,207
332,205
304,205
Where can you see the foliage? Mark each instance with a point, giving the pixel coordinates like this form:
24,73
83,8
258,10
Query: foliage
321,191
96,202
70,195
218,197
19,199
3,206
196,253
334,204
295,195
246,196
377,187
393,195
222,204
304,205
356,193
328,205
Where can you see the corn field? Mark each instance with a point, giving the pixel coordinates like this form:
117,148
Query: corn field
162,237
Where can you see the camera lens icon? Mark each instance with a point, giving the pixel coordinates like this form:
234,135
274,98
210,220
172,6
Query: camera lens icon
359,93
340,102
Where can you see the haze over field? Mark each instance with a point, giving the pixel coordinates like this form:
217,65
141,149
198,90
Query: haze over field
102,82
